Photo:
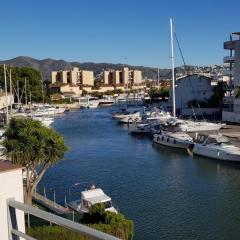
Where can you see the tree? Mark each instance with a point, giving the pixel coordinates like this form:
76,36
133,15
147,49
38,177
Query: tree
32,145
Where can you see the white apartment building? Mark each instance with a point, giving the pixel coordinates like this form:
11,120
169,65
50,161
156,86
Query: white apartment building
231,112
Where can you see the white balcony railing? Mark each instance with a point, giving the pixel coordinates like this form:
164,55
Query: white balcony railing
15,234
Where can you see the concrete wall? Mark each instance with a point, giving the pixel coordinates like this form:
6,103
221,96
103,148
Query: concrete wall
125,75
87,78
137,76
11,186
69,88
54,76
63,77
106,77
116,77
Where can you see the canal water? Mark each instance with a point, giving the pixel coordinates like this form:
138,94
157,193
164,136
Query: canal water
167,193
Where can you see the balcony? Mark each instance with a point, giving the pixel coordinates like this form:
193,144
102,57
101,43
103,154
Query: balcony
229,45
229,72
229,59
16,234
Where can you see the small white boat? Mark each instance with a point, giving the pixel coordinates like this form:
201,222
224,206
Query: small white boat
46,121
173,139
216,146
91,197
130,118
93,104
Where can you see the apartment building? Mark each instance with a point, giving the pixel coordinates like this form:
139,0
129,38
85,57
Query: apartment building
124,77
74,77
231,100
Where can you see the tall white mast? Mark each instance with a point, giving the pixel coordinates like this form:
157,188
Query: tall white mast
5,81
173,70
158,78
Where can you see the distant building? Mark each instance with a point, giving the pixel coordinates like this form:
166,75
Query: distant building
125,77
231,100
74,76
189,88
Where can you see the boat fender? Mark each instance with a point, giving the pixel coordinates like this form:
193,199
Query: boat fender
174,141
167,139
162,138
158,138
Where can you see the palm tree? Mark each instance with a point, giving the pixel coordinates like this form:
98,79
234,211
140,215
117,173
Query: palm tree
34,146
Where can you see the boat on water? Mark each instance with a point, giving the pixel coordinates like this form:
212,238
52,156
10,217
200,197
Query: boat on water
89,198
216,146
196,126
46,121
173,139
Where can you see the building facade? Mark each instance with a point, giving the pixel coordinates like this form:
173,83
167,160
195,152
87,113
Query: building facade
74,77
11,188
231,100
189,88
124,77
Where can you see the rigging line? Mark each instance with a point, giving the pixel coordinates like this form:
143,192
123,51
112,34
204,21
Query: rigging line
185,68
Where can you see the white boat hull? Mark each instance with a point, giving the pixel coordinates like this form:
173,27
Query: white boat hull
214,153
171,142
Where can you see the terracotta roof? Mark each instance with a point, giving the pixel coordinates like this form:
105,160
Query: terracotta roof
8,166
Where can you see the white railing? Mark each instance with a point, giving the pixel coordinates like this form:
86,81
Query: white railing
15,234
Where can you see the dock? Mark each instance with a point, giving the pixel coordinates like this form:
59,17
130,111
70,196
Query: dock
51,205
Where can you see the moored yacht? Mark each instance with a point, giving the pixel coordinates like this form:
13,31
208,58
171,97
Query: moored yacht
173,139
216,146
91,197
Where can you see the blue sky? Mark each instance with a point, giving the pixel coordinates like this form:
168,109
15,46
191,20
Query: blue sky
125,31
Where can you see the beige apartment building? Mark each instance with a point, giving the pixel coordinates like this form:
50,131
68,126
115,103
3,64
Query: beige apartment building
125,77
74,76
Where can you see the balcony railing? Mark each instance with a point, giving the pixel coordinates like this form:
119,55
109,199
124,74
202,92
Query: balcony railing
15,234
229,59
229,72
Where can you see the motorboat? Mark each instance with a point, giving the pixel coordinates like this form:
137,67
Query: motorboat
89,198
216,146
196,126
139,128
124,112
132,117
46,121
173,139
93,104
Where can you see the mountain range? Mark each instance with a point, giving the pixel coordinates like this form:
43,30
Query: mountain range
45,66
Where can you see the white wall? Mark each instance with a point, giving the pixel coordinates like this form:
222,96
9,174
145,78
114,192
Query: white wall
191,87
11,186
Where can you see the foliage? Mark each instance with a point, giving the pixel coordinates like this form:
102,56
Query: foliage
108,222
33,79
237,94
54,233
30,144
84,92
155,93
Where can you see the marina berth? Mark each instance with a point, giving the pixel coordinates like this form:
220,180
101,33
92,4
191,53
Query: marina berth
216,146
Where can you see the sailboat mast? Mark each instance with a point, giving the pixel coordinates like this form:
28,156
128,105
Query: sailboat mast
158,77
173,69
5,81
26,102
10,79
